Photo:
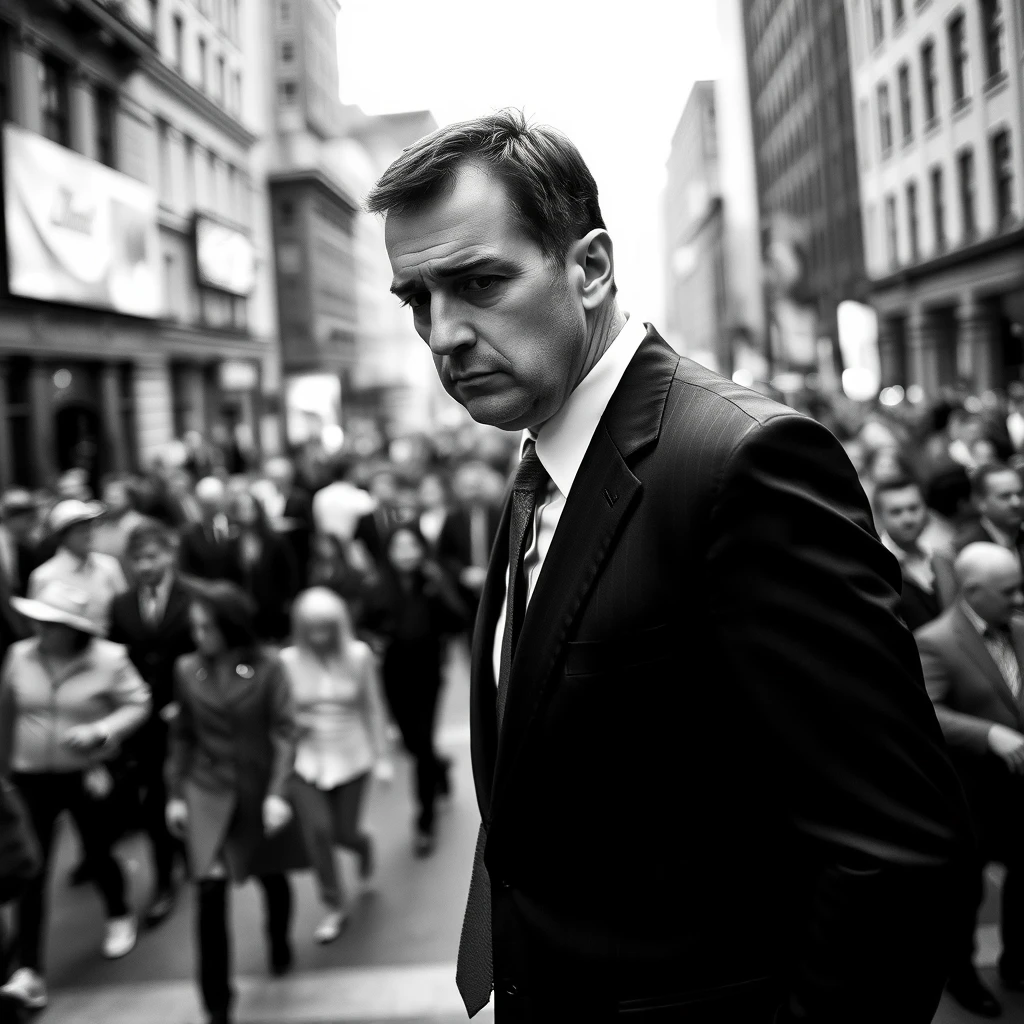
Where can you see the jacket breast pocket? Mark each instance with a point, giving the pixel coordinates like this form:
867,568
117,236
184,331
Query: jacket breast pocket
618,653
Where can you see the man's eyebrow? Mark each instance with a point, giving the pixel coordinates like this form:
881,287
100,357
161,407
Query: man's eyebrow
458,270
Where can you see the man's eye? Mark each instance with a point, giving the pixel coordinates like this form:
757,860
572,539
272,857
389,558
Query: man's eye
480,284
416,301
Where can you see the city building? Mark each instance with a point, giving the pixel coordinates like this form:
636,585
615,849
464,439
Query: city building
806,172
940,117
136,305
695,305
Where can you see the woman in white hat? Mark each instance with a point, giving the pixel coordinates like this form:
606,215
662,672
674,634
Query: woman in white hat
67,700
99,575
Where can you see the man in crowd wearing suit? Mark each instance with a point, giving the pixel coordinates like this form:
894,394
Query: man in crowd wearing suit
19,539
152,621
972,668
998,494
712,785
290,510
375,526
205,548
927,576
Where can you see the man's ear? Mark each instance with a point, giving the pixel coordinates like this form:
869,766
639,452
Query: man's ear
592,267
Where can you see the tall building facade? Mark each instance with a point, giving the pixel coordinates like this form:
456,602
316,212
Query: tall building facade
806,167
133,305
940,115
695,296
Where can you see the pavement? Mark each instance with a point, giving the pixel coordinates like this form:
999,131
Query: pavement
394,963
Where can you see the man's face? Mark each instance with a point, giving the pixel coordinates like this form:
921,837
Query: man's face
902,515
1002,501
503,323
78,539
150,562
998,597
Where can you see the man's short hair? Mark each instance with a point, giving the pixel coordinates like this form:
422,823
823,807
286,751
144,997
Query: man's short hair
549,185
980,477
896,483
149,531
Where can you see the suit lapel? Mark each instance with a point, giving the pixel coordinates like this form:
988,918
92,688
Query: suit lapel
603,495
974,646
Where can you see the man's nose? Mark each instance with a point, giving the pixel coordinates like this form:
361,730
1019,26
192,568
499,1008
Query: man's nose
449,329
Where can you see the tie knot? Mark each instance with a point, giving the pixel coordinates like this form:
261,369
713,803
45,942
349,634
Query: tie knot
531,475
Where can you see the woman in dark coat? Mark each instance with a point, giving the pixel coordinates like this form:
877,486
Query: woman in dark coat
413,607
231,752
261,562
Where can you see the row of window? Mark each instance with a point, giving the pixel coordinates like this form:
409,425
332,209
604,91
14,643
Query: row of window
993,24
208,180
959,78
225,15
967,191
211,75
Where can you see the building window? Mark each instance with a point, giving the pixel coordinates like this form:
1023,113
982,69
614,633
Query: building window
884,119
53,100
913,228
179,44
891,236
163,146
877,23
958,59
899,13
938,209
284,11
236,88
1002,169
170,288
994,29
233,27
105,105
211,176
906,108
286,92
930,81
222,95
189,147
203,80
968,194
154,22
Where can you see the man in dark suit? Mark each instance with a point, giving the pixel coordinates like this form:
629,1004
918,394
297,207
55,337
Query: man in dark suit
712,785
971,657
152,621
373,529
927,576
204,550
998,494
290,509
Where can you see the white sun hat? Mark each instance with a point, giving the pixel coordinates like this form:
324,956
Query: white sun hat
59,602
71,512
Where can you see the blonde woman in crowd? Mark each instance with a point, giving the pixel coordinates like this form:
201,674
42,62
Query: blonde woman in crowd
340,715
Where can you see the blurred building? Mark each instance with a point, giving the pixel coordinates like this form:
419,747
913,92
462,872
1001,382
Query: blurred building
694,234
940,96
134,306
745,320
806,169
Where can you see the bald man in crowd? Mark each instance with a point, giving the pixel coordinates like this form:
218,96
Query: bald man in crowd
204,550
972,657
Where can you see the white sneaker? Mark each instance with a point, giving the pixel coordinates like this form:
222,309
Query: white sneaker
330,927
120,938
26,987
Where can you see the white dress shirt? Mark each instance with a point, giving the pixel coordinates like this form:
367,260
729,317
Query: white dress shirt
562,442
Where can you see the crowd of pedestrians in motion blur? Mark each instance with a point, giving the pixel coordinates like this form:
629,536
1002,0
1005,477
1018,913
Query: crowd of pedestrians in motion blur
220,657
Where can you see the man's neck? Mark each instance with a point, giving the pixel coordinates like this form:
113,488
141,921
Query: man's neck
602,330
79,560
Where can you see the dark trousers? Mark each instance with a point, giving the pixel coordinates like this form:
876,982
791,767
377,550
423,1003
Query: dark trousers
412,693
152,806
45,796
330,818
214,945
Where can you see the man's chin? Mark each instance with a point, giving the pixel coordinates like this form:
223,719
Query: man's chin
497,411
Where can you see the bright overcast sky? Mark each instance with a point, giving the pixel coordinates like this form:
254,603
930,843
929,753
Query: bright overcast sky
614,75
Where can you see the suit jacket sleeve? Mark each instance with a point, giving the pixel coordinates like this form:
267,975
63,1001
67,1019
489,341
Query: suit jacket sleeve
967,732
187,562
283,729
806,598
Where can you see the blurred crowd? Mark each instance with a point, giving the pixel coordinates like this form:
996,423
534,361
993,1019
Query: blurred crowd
219,656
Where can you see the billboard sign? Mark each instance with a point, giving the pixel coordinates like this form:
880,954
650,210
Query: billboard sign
225,257
77,231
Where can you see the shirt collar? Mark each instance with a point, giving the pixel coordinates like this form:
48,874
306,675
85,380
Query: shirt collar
999,536
72,561
917,554
563,440
974,618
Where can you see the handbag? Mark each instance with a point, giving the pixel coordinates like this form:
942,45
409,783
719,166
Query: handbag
20,859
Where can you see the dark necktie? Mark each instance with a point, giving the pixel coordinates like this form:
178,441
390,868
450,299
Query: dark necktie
475,974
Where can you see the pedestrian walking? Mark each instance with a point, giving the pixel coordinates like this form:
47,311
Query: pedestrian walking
413,608
342,741
711,784
232,751
68,699
152,621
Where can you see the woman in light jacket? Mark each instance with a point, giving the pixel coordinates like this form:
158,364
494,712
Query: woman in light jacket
340,714
67,701
232,747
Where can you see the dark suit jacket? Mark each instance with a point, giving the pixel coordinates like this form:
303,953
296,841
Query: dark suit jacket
272,583
719,771
917,605
455,546
298,509
974,533
201,555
